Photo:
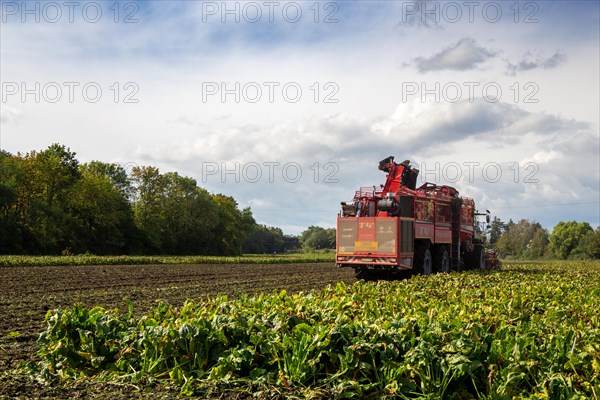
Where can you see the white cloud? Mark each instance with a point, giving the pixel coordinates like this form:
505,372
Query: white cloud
544,157
466,54
9,115
541,161
531,62
171,52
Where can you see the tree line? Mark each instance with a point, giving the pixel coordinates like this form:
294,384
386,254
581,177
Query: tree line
50,203
529,240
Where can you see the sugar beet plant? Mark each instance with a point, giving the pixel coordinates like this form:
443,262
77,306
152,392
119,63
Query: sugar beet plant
528,331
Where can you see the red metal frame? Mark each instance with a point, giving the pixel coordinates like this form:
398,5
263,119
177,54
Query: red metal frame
431,218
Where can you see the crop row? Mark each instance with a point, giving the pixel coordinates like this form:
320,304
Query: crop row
530,331
32,261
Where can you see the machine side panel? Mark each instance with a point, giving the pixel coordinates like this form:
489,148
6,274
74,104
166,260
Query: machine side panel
347,229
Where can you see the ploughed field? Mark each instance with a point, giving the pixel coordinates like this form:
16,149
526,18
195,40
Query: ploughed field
27,293
306,330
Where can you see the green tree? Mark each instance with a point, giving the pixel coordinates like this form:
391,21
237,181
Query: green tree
316,237
566,238
178,217
589,247
115,172
101,215
497,229
264,240
291,242
524,239
174,214
190,216
59,170
36,191
148,207
233,226
45,183
50,203
537,246
10,239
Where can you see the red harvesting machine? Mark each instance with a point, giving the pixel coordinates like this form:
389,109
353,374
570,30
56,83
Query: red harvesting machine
400,229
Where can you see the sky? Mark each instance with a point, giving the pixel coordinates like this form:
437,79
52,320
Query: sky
288,106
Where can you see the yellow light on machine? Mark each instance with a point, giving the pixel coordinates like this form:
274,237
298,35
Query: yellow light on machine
366,246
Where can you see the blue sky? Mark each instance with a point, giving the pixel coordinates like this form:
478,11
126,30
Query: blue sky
290,112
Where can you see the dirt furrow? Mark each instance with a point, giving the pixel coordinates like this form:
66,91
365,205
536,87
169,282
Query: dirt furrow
27,293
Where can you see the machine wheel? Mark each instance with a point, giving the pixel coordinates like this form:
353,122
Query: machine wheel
442,260
425,263
479,257
476,259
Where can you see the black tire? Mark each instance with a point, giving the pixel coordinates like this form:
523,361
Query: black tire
426,267
476,259
479,257
442,260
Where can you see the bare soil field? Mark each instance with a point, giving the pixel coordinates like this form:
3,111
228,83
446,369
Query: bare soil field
27,293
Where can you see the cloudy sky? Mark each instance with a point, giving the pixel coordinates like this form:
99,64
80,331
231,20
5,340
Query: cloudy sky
289,106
